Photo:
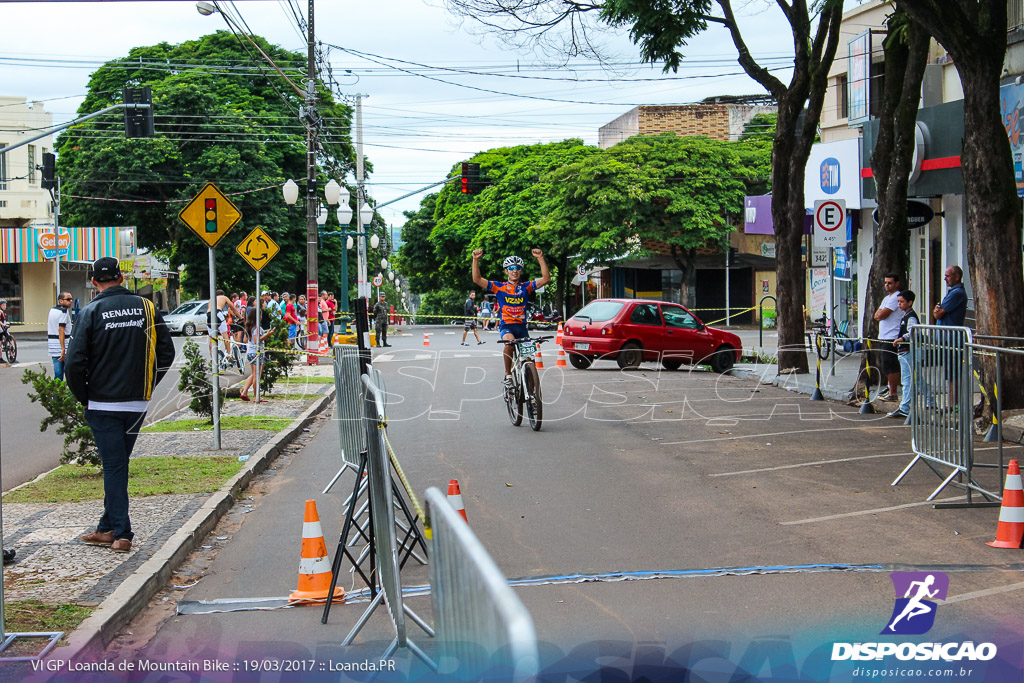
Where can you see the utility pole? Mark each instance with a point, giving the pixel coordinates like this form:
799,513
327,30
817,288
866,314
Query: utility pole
312,203
362,286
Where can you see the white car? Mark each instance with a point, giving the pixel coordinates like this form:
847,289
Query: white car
189,318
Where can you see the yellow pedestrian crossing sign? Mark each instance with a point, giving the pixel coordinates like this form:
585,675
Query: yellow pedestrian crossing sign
210,214
258,249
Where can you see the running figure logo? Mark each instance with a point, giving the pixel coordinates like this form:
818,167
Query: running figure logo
914,613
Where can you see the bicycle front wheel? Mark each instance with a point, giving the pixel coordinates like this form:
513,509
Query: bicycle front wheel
515,408
824,346
534,404
11,349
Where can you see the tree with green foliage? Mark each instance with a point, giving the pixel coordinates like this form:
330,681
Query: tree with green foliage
66,414
676,191
662,29
220,118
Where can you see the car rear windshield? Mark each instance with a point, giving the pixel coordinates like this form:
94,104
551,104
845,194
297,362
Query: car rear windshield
185,308
599,311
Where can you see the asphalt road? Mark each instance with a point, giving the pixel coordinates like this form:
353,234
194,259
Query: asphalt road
719,517
26,453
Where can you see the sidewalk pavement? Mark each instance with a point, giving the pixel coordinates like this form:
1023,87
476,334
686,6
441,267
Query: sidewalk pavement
53,566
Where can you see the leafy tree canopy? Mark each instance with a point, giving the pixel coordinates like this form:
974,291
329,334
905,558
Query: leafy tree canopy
219,118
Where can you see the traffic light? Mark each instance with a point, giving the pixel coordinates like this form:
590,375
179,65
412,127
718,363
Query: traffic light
211,215
49,180
138,123
471,179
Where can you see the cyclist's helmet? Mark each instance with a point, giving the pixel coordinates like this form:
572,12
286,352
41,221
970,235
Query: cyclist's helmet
3,301
512,261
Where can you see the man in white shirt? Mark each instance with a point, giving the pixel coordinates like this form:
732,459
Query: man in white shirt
58,332
889,316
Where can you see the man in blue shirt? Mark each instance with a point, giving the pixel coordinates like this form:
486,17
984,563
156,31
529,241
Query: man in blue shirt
953,309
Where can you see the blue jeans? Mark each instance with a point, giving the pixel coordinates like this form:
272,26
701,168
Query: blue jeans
907,380
115,433
58,367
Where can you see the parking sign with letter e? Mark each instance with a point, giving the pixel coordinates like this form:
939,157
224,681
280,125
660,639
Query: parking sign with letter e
830,222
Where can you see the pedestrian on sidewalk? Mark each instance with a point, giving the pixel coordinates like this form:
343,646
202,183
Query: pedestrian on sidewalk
120,351
380,320
888,316
469,309
951,312
58,332
254,354
902,347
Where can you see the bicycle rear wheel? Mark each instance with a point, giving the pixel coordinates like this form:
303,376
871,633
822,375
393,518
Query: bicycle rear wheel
11,349
515,409
841,340
534,404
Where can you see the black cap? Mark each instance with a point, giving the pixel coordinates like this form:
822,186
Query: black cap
105,269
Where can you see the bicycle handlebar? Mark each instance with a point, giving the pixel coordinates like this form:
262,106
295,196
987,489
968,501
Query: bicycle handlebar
526,339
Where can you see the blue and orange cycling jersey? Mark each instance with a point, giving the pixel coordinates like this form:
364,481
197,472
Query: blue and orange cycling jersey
511,299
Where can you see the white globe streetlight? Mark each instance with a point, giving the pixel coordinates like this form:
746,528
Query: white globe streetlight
321,216
349,243
290,192
383,265
391,275
374,241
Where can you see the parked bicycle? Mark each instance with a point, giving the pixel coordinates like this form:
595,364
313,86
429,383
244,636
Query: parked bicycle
826,335
525,389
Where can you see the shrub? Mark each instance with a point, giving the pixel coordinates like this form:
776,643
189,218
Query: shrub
67,414
195,380
278,362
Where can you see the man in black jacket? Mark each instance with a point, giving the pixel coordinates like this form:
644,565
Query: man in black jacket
120,351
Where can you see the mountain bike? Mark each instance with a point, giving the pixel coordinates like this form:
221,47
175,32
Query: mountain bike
525,389
826,335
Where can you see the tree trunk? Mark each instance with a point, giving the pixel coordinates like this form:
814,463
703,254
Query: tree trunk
789,160
891,160
686,261
974,33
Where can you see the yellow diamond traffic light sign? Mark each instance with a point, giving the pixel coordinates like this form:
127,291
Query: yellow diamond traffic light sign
258,249
210,214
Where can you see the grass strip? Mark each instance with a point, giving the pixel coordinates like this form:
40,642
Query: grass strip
233,422
306,380
146,477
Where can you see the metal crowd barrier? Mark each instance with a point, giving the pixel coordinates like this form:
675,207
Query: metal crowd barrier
382,515
942,408
349,403
480,621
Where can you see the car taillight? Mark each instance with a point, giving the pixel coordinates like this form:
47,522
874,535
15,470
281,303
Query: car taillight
607,329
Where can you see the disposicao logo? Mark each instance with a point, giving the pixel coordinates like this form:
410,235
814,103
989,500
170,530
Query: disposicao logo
914,614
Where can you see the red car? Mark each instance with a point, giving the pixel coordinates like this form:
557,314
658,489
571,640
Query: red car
630,331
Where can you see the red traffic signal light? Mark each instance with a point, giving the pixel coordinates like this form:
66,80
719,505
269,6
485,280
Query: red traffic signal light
471,178
211,215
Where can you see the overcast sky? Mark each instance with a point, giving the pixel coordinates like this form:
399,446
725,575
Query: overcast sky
415,127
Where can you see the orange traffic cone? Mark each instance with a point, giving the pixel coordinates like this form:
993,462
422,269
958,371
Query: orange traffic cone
455,498
560,363
426,339
314,567
538,361
1010,532
324,344
558,335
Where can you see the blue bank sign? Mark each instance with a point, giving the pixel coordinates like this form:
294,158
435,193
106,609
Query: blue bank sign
833,172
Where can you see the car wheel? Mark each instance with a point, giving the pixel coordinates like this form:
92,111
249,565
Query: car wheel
580,362
671,363
723,359
188,330
630,356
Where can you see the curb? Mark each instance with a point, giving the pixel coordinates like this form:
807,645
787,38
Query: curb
95,633
783,382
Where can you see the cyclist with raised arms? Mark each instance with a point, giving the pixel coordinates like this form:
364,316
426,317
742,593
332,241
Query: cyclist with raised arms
511,298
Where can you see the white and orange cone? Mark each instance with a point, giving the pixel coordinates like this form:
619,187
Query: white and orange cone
1010,532
558,335
455,498
314,567
325,345
426,339
560,363
538,361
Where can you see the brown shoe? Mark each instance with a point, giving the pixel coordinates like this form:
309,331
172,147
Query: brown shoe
98,538
121,545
